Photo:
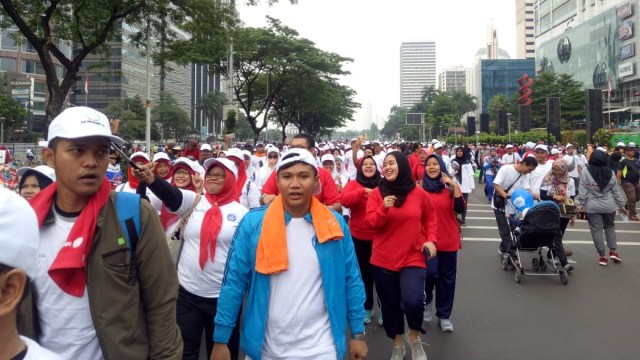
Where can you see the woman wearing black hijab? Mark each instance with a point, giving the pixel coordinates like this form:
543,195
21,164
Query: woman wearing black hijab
598,196
354,196
462,172
404,221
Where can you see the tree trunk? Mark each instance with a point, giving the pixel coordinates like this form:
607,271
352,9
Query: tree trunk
284,135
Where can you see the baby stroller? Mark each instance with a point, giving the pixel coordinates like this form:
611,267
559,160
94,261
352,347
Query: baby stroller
538,228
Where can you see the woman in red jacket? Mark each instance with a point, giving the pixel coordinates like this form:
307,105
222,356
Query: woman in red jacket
354,196
447,199
404,221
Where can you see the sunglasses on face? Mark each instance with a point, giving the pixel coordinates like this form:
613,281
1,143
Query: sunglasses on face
273,156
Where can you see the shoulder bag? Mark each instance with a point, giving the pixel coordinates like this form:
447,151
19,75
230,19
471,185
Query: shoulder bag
176,239
498,201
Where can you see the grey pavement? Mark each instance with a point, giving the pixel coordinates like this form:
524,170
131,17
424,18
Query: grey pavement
595,316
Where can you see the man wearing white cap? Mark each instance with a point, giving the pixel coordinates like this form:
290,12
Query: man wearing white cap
206,152
18,264
574,163
285,259
96,291
535,177
511,157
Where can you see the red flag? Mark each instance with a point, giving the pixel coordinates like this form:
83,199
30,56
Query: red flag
86,82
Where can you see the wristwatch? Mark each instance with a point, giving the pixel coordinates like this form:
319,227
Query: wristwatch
359,336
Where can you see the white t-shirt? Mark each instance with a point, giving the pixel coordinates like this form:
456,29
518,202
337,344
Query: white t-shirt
537,175
250,196
65,320
205,283
351,167
467,184
258,161
506,176
570,159
511,159
37,352
298,326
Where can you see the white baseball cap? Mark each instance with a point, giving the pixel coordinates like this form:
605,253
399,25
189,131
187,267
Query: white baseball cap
235,152
508,146
80,122
186,161
437,146
568,146
555,151
620,143
42,169
300,155
224,162
20,237
161,156
139,154
632,144
327,157
542,147
206,147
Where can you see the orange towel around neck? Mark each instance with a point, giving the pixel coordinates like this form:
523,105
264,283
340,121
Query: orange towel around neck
271,255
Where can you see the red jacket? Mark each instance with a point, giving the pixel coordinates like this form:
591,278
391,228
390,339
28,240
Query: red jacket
400,232
418,171
354,196
195,153
413,159
328,196
448,230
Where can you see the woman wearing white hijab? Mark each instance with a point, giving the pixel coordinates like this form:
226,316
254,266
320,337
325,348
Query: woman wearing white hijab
273,155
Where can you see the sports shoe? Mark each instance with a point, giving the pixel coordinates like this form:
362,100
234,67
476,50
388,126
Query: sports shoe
380,317
603,261
568,268
398,352
367,316
417,352
445,325
613,255
428,313
633,217
568,253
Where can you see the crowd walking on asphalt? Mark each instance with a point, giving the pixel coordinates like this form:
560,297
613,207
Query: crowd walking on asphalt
276,251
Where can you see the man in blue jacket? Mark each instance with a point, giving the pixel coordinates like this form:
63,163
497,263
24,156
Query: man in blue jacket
300,272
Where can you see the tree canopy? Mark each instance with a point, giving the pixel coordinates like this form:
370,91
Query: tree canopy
564,86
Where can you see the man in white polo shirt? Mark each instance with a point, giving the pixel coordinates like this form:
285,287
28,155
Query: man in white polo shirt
544,166
511,157
574,163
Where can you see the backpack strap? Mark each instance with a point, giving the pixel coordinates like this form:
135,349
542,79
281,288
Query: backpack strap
128,210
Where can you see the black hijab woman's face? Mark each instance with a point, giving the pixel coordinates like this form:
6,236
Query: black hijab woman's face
368,167
459,152
432,168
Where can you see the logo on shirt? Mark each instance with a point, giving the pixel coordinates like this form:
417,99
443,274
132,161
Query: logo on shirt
75,243
231,217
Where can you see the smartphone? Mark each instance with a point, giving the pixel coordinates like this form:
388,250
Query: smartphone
426,252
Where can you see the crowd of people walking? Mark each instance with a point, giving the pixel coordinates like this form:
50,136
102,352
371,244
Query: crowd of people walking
278,251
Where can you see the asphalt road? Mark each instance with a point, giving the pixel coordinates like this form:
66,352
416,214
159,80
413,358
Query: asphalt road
595,316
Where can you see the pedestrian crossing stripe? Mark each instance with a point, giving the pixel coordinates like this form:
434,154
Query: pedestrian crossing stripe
618,231
572,242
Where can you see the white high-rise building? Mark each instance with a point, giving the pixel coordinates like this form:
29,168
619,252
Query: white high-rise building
417,70
452,79
525,30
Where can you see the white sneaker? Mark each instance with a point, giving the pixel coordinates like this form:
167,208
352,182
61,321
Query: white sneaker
398,353
445,325
417,352
428,313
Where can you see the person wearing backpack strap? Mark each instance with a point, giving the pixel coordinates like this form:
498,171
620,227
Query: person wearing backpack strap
628,175
105,285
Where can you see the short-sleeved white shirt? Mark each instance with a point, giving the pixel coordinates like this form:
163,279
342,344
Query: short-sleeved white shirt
298,326
570,159
506,176
537,175
511,159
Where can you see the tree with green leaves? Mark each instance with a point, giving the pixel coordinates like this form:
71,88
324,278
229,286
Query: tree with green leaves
464,102
132,116
230,122
211,104
495,104
564,86
170,119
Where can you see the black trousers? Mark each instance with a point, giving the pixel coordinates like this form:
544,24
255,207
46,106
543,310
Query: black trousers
195,314
441,276
503,229
363,253
401,294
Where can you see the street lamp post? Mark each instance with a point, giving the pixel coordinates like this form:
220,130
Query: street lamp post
509,125
1,130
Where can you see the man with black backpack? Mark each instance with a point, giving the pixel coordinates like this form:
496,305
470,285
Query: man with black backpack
629,179
105,285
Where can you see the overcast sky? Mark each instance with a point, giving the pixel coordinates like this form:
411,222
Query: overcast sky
371,31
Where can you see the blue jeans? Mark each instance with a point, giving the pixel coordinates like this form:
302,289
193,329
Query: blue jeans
489,184
441,276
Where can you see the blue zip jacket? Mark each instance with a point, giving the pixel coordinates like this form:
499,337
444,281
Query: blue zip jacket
341,281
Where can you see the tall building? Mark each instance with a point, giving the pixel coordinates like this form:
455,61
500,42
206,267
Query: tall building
26,80
492,42
595,41
417,70
525,30
124,75
494,76
453,79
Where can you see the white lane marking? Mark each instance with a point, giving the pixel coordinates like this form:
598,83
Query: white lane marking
573,242
568,229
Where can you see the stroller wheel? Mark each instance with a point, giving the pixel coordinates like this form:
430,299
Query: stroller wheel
564,278
517,276
543,266
535,264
